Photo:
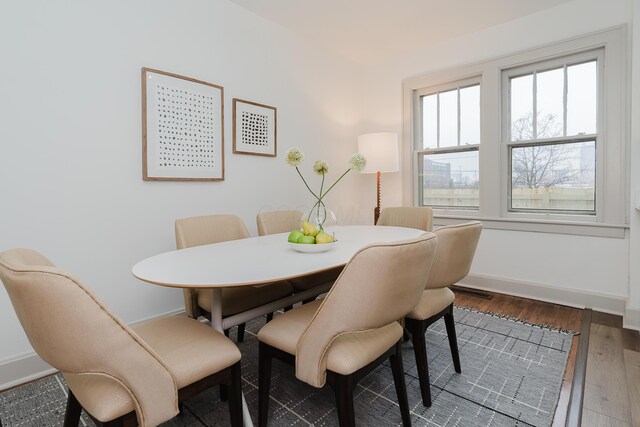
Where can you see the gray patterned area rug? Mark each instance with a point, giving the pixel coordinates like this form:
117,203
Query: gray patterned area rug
511,376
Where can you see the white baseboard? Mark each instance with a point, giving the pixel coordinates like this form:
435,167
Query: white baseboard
22,369
613,304
26,367
632,318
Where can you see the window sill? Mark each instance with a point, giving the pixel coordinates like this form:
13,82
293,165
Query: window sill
576,228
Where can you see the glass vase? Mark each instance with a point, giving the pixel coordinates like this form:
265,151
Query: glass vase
320,216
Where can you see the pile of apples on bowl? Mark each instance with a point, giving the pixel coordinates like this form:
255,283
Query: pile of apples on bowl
309,234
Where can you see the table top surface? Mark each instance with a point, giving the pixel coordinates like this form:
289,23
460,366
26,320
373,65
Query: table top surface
258,260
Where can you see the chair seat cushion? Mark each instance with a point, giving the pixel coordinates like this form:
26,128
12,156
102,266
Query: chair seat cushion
432,302
348,352
190,349
243,298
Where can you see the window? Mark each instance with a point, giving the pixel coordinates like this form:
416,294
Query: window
552,116
533,141
448,152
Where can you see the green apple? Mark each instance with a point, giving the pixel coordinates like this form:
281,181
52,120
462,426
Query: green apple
309,229
323,237
307,240
294,236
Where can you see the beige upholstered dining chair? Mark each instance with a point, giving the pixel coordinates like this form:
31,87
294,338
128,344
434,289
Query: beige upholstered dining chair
285,221
119,375
454,255
342,337
202,230
407,216
277,222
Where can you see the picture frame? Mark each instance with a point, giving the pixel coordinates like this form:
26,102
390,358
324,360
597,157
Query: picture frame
182,128
254,128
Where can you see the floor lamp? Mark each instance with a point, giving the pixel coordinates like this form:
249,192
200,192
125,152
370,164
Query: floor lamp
381,151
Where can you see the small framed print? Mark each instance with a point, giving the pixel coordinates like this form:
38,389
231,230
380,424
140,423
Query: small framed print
182,128
254,128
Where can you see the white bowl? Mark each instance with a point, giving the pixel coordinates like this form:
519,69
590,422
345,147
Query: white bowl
312,248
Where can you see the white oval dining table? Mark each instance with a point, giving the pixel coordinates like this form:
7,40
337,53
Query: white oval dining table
258,261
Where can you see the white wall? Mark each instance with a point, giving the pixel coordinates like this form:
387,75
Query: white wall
589,265
70,136
70,164
632,316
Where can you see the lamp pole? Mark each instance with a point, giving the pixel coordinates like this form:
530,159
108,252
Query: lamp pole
376,210
381,151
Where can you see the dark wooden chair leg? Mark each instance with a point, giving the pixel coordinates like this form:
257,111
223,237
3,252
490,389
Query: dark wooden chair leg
343,386
418,329
453,340
269,317
180,408
264,383
72,414
235,396
224,392
240,336
289,307
401,387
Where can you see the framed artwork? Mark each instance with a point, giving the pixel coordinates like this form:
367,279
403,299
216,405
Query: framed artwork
182,128
254,128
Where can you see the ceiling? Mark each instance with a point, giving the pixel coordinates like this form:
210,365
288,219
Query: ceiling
370,31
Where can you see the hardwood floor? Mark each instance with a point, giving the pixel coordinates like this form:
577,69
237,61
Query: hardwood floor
537,312
612,384
612,389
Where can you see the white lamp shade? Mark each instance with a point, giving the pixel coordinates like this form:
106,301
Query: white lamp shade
381,151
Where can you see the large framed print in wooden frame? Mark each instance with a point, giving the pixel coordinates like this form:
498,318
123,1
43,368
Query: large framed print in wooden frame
182,128
254,128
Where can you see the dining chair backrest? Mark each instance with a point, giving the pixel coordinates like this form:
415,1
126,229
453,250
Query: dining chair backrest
407,216
456,248
277,222
75,333
203,230
380,285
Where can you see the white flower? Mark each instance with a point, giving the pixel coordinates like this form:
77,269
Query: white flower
320,167
357,162
294,156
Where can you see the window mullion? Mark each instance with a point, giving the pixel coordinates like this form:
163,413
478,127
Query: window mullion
564,102
458,92
438,120
535,105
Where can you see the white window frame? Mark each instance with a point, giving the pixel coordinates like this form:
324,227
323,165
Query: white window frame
507,211
419,150
612,200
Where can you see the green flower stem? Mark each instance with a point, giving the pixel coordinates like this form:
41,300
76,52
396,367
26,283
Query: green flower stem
307,185
334,184
319,203
320,199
